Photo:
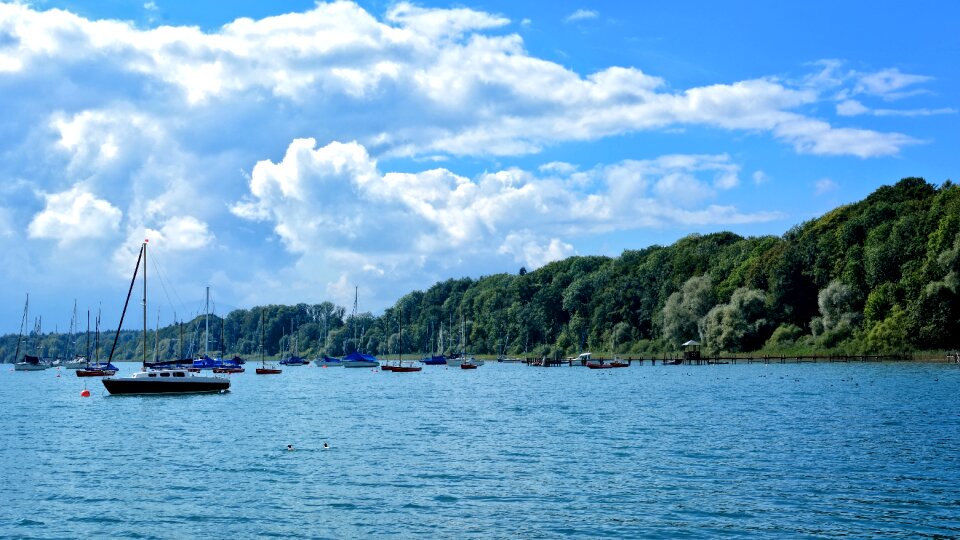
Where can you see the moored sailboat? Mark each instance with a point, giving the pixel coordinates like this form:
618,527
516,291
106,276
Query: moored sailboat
156,381
264,369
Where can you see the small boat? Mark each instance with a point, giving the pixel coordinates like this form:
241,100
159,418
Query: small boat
328,361
294,361
95,372
264,369
434,360
164,381
31,363
227,369
601,366
400,368
465,365
360,360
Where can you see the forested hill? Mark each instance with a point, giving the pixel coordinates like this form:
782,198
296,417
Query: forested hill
881,275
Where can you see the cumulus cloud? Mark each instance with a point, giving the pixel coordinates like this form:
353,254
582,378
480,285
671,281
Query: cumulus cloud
74,214
334,200
338,72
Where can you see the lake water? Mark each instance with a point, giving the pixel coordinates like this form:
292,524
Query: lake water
505,451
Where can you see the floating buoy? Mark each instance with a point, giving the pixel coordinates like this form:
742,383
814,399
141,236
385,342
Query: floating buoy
84,393
324,366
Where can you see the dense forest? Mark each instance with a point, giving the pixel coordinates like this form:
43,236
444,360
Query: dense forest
878,276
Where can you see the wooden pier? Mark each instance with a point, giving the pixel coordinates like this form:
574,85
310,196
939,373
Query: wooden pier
677,360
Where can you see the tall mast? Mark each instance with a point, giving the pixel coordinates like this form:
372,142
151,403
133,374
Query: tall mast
144,304
356,293
206,318
400,346
123,314
87,355
23,324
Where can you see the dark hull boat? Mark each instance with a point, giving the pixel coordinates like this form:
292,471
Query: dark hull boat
268,371
162,381
174,381
228,370
405,369
468,366
96,372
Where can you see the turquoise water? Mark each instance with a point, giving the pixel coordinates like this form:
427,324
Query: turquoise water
505,451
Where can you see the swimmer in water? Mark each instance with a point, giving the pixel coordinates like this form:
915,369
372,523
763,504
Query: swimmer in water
290,447
326,446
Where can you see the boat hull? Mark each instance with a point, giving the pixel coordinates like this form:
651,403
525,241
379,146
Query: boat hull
23,366
359,364
228,370
469,366
95,373
188,385
268,371
406,369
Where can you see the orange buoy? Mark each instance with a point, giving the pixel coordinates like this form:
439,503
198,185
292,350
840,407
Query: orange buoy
84,393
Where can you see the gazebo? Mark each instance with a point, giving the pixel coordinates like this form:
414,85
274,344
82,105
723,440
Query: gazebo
691,350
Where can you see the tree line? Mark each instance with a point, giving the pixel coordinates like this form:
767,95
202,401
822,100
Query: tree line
878,276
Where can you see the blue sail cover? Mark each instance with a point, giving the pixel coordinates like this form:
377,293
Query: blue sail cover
102,365
207,363
358,356
435,360
236,361
293,361
331,359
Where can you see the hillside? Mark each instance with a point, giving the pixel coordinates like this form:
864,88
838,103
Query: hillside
880,275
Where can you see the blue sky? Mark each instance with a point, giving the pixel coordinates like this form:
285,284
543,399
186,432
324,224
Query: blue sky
289,151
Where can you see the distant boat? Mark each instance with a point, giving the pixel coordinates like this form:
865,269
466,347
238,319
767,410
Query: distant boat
97,369
29,362
400,368
163,381
466,362
264,369
360,360
328,361
435,360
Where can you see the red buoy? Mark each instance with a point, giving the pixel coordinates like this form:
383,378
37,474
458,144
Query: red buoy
85,393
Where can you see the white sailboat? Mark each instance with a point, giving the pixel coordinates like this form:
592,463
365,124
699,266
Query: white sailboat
29,362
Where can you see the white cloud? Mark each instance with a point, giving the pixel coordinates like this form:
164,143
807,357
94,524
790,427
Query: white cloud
334,202
759,177
824,185
182,233
527,248
74,214
581,15
339,73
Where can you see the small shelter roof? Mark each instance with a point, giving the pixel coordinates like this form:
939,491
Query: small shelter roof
690,343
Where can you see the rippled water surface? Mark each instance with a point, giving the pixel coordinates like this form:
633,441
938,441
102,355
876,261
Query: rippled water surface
505,451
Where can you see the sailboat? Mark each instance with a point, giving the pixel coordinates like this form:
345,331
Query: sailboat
263,369
29,362
206,362
228,366
294,359
465,361
400,368
436,359
96,369
357,359
159,381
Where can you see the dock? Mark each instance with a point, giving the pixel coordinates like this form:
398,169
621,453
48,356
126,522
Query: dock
678,360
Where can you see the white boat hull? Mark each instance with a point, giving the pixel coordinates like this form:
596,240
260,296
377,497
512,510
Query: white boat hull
321,363
359,364
23,366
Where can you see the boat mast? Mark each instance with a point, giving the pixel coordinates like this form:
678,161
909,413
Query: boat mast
400,345
206,318
127,302
262,361
87,355
23,324
144,304
356,345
